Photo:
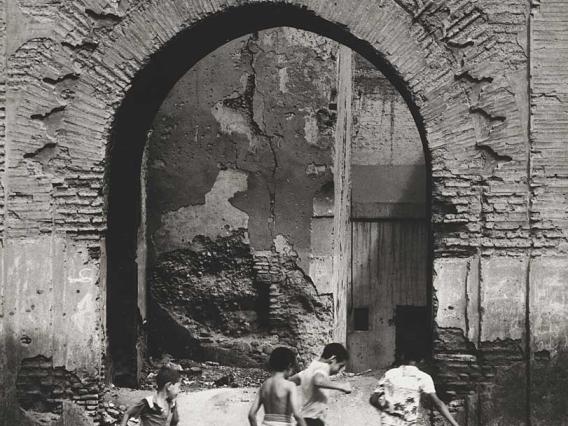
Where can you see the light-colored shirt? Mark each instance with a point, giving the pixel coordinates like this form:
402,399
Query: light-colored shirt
402,388
314,399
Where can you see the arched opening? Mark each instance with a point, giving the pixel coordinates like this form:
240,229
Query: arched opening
390,226
126,295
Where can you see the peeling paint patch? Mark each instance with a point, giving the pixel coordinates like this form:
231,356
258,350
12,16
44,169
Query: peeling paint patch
313,169
283,80
283,246
85,315
232,121
217,217
502,294
549,316
311,132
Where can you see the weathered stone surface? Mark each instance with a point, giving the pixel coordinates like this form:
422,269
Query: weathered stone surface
450,287
503,299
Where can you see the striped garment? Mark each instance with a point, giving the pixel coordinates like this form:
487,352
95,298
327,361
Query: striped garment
277,420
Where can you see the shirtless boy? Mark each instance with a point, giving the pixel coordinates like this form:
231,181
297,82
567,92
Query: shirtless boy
278,395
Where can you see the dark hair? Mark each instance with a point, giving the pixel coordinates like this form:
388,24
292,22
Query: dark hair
282,358
337,350
411,352
167,375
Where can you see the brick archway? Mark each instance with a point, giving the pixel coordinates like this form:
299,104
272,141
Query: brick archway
91,86
131,124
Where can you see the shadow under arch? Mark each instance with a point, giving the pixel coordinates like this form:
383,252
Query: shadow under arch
129,134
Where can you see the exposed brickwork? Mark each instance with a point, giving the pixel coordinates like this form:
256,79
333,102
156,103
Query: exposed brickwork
484,382
468,40
548,209
473,199
269,274
292,301
41,387
549,126
483,202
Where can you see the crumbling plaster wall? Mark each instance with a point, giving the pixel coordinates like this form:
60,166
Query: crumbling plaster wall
253,116
238,152
499,185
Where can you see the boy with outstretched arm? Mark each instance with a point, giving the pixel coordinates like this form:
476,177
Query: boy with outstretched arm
278,395
315,382
159,409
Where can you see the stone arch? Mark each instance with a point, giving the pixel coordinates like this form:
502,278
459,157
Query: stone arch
110,70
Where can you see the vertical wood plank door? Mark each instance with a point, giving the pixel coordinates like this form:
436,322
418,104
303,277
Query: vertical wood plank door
388,269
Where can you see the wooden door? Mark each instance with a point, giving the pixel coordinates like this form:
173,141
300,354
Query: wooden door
388,270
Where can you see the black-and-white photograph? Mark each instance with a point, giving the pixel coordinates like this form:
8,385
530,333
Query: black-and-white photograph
283,212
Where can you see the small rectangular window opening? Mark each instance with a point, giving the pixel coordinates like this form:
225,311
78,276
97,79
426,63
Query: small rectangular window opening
361,319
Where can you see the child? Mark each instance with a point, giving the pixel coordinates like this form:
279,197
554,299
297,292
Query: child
277,394
399,391
314,382
159,409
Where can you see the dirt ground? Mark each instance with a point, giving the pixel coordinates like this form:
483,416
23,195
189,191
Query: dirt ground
228,406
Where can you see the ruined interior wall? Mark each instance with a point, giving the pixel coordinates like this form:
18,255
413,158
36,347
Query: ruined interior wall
239,151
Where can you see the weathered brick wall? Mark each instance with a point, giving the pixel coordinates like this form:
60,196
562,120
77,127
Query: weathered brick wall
548,211
43,388
498,195
3,33
3,41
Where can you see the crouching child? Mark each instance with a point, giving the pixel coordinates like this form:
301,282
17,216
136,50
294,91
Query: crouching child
399,392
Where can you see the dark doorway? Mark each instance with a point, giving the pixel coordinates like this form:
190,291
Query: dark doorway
412,330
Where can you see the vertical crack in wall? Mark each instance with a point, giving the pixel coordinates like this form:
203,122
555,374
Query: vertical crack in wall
248,96
467,299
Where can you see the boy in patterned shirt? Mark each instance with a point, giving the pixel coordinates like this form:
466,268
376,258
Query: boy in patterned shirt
399,391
